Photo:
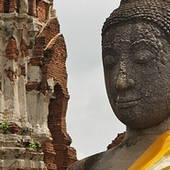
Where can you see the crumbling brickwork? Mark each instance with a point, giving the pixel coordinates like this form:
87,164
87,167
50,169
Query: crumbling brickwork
120,137
33,93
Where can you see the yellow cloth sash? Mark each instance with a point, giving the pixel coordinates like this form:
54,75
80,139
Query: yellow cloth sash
156,157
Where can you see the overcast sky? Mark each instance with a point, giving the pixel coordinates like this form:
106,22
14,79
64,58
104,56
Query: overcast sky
90,121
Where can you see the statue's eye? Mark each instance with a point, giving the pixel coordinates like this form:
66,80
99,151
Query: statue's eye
110,61
143,56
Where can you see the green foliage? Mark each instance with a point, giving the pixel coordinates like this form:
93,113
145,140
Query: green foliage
33,145
39,145
28,144
4,126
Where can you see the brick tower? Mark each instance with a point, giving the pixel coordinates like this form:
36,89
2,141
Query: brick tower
33,88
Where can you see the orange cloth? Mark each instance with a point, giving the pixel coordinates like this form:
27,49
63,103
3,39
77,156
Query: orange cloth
157,151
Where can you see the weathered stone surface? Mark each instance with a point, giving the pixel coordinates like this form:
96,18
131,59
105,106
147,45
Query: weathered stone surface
33,88
136,60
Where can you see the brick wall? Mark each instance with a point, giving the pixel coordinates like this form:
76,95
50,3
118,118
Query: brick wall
45,52
53,66
32,8
50,53
120,137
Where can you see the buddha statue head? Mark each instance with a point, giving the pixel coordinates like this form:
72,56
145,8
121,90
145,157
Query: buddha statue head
136,59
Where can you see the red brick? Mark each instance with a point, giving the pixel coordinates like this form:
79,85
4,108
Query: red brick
48,52
117,140
11,51
11,74
32,8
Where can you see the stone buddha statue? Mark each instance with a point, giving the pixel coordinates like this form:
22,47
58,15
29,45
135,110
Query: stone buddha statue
136,60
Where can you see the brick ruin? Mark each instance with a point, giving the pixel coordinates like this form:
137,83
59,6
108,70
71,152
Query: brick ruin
120,137
33,88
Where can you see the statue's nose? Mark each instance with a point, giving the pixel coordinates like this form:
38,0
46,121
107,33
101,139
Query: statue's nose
123,83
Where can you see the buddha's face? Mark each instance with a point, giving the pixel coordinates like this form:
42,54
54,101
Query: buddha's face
136,59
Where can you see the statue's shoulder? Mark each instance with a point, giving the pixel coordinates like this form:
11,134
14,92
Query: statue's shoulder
86,163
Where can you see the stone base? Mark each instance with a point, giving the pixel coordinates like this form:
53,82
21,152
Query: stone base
20,164
15,158
21,157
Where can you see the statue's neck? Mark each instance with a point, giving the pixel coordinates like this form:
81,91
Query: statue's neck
147,135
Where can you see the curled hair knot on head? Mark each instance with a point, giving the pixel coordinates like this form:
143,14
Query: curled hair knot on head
154,11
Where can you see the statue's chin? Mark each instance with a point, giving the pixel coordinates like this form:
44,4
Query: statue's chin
140,121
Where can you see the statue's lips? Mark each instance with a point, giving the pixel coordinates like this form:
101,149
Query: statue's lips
127,103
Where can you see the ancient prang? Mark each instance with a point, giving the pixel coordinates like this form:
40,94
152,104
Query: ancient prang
33,88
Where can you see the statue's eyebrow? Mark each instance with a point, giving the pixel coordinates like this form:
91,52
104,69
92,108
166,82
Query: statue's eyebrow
150,45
